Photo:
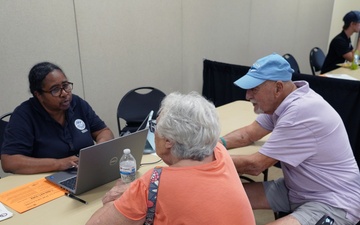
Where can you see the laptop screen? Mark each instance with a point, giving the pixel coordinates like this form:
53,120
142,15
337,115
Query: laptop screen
145,123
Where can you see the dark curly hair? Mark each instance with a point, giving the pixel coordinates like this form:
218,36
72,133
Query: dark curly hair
38,73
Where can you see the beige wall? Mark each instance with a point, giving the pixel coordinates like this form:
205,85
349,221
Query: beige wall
34,31
240,32
127,44
107,47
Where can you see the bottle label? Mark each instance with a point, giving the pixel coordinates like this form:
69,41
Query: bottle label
127,174
127,170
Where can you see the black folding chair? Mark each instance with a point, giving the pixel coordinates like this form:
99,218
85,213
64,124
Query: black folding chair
136,105
316,58
292,61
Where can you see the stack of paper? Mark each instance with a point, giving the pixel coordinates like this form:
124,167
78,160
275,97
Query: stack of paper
31,195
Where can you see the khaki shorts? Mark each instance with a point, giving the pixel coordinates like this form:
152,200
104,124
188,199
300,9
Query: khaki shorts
308,213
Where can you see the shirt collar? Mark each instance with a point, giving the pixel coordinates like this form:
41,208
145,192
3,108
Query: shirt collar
302,88
35,103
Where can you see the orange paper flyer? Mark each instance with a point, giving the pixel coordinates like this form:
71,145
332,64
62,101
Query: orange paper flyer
31,195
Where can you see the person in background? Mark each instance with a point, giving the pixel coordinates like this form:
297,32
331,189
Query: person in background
308,137
200,185
341,49
46,132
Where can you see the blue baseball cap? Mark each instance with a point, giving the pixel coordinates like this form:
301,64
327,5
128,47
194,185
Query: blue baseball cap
272,67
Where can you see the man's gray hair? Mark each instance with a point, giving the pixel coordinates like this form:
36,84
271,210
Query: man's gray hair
191,123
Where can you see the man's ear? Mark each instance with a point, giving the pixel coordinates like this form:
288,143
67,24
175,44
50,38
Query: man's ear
279,86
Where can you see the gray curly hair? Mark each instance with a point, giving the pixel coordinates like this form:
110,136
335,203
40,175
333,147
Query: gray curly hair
191,123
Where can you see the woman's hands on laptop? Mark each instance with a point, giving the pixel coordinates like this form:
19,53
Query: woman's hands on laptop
68,162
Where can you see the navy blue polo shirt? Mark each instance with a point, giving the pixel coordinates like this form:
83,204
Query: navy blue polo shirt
31,131
339,46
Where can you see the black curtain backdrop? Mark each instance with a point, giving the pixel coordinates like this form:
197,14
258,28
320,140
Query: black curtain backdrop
343,95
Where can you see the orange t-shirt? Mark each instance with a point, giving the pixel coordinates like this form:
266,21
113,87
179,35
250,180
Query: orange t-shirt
211,193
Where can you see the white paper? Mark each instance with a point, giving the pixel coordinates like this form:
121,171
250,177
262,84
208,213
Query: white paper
341,76
4,213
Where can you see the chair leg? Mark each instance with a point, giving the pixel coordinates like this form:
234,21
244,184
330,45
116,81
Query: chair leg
247,179
266,174
276,215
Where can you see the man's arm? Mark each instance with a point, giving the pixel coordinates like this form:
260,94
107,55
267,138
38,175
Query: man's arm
245,136
349,56
252,164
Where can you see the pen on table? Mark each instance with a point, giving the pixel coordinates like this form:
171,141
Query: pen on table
76,198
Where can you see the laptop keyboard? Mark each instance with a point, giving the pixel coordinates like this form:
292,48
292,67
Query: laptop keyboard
69,183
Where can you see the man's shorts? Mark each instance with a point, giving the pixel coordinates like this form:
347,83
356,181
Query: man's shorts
308,213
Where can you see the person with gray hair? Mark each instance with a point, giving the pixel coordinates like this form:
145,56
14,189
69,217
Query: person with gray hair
192,126
195,187
308,138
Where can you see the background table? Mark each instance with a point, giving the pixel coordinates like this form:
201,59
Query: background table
342,70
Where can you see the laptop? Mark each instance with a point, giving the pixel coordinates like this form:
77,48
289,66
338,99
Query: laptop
145,123
99,163
150,139
150,143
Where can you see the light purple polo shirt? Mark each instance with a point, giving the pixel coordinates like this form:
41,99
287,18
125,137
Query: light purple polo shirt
309,138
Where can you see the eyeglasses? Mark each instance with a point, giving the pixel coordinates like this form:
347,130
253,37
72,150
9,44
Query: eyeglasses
152,126
56,91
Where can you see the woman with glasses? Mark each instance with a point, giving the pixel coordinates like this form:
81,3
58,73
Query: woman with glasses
46,132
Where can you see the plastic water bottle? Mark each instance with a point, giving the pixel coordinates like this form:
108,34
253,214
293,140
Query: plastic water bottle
127,166
355,63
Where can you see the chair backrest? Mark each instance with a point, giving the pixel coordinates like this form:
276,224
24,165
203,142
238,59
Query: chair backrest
136,105
317,58
292,61
4,119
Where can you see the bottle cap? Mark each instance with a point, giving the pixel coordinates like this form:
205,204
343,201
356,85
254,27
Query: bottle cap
126,151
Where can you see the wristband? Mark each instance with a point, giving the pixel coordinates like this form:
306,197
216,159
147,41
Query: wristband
222,139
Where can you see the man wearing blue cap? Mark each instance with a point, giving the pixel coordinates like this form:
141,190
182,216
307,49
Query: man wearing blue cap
340,48
308,137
